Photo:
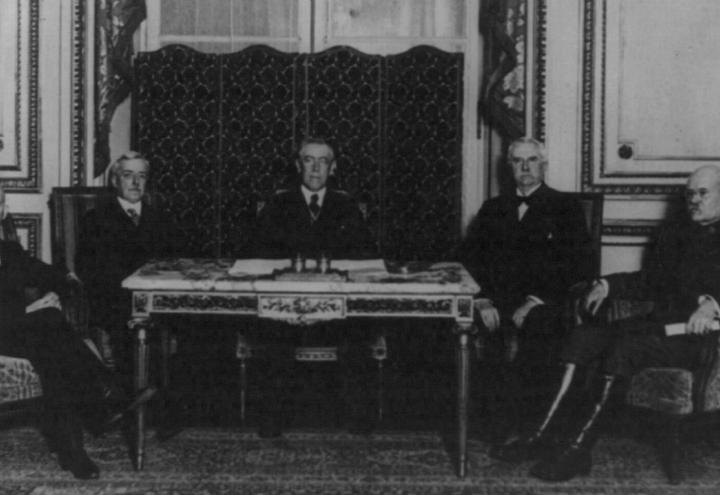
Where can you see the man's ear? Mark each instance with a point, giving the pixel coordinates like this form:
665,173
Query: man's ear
333,168
298,165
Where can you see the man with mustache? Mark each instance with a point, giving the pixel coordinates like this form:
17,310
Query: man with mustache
683,280
117,238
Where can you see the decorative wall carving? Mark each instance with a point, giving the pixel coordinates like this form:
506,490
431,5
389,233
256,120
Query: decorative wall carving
221,132
19,142
645,128
29,228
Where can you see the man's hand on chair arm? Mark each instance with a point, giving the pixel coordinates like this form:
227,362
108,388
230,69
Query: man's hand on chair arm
488,313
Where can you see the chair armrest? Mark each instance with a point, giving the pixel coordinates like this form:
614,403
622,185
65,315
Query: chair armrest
75,305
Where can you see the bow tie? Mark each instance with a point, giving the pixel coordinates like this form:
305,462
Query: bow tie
526,200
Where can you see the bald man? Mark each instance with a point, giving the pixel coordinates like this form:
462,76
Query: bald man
683,279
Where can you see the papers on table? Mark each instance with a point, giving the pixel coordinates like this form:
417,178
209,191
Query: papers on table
258,266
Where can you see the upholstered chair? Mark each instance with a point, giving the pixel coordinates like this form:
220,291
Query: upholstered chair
675,399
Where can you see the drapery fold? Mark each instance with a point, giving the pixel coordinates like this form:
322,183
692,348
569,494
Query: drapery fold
502,25
115,24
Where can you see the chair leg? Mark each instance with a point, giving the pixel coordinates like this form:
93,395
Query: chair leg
380,392
243,390
670,454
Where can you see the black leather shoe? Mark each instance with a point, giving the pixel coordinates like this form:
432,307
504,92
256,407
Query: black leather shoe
520,449
79,464
120,409
270,427
572,461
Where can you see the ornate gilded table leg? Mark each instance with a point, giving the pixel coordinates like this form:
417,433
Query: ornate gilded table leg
463,330
140,327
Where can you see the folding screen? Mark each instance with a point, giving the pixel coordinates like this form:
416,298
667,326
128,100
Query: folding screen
221,132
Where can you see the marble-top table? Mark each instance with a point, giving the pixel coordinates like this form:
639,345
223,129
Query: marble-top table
220,286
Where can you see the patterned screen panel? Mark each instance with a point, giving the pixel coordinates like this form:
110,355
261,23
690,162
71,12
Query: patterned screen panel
260,89
422,153
344,105
177,110
221,132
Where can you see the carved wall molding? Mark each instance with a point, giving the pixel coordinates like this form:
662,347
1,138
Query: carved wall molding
77,148
620,156
21,172
29,227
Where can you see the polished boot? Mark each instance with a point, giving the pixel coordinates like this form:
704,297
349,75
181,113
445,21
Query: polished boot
110,403
71,452
538,442
575,459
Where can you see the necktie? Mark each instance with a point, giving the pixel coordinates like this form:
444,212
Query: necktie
314,206
522,203
134,216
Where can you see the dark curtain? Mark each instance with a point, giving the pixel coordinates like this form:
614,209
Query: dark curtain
115,24
502,98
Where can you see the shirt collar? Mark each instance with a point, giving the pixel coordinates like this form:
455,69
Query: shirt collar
307,193
125,205
517,191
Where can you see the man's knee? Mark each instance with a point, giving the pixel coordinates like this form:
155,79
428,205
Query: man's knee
587,343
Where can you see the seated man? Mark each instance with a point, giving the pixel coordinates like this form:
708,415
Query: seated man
683,280
117,238
525,249
77,389
312,220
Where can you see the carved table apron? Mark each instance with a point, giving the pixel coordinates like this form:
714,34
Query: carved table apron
193,286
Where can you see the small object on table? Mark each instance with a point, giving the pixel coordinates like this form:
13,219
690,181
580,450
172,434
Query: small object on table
298,263
323,263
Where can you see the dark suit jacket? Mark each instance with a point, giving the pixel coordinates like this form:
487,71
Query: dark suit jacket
23,279
684,265
285,228
541,255
111,247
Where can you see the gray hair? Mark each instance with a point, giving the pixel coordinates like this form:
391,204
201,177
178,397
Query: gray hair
539,145
315,140
114,168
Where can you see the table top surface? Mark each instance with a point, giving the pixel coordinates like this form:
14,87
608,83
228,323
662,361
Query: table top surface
185,274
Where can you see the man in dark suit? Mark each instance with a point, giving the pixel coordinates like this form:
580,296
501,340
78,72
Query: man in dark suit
117,238
683,279
525,249
313,220
77,389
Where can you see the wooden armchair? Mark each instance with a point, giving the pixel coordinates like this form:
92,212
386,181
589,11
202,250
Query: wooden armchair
68,206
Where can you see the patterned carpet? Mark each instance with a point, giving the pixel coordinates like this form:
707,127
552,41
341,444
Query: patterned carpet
219,461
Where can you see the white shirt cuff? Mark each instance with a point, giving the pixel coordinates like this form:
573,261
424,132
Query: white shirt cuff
535,299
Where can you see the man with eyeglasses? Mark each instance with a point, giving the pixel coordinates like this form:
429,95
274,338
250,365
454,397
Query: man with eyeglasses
313,220
682,278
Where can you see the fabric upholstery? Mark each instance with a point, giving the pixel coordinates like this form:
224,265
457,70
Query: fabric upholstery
18,380
667,390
